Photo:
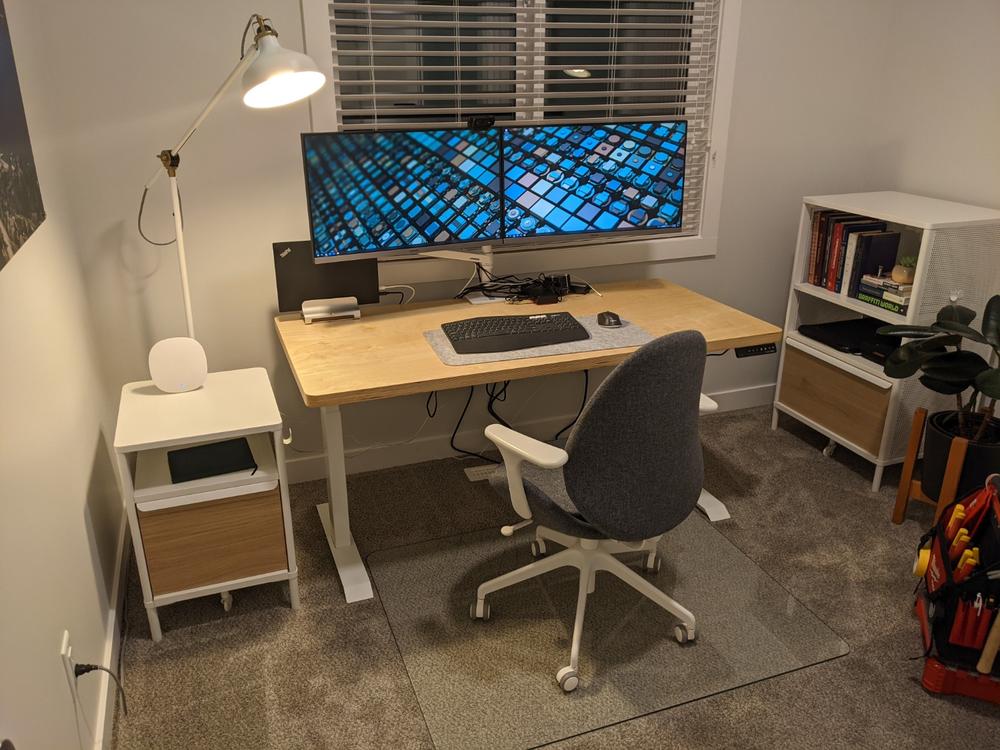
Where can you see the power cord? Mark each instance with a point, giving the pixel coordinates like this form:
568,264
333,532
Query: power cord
458,424
497,392
583,403
391,287
718,354
81,669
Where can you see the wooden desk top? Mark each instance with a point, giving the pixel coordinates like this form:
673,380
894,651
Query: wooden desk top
385,354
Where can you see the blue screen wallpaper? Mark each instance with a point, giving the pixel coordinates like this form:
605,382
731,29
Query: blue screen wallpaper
404,189
593,178
393,190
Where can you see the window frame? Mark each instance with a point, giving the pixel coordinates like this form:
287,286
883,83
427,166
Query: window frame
584,254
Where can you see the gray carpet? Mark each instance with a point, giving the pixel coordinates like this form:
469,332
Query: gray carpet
331,675
492,684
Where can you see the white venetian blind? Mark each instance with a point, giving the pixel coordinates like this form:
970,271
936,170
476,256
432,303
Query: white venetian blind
420,63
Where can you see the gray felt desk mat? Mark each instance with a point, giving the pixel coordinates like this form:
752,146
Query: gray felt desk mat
627,335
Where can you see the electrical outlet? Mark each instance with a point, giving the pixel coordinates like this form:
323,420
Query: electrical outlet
66,652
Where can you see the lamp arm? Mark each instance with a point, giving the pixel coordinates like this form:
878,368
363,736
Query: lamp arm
241,66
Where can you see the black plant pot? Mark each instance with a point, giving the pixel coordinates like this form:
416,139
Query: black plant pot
981,459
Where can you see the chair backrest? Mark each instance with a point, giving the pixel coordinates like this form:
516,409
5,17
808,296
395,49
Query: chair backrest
635,464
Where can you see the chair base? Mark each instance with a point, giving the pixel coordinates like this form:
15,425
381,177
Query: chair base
589,556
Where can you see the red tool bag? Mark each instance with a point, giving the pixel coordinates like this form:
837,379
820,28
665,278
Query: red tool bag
959,596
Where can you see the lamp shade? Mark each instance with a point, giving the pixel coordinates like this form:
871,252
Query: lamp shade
279,76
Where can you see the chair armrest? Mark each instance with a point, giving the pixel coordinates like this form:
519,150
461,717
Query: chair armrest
526,448
515,449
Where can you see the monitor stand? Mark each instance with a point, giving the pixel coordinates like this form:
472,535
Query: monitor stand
483,259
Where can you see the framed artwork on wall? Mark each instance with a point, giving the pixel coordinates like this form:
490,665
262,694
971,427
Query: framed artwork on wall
21,209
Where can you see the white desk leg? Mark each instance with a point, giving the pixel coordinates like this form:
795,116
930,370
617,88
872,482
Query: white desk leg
712,507
334,514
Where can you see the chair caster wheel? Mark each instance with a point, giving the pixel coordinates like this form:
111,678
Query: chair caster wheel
829,449
651,564
684,633
538,549
479,610
567,679
227,601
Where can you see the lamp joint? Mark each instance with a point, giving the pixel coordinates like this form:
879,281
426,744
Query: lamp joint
170,161
263,29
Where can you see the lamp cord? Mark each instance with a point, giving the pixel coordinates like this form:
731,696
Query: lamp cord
138,221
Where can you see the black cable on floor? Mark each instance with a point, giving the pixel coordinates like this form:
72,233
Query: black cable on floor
458,424
586,387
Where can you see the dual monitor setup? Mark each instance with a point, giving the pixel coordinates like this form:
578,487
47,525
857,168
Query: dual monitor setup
385,193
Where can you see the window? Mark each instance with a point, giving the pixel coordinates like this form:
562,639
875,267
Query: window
420,63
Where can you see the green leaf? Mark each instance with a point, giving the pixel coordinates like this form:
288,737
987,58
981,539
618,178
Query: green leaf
910,332
937,343
988,381
961,329
941,386
907,360
956,313
991,321
956,367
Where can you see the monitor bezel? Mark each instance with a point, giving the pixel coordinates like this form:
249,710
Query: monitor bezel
548,240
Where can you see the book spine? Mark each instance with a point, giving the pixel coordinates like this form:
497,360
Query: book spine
814,246
847,265
834,260
882,303
857,269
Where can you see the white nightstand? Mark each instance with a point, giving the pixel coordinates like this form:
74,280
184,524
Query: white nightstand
212,535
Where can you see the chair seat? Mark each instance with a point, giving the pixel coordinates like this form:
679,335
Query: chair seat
549,502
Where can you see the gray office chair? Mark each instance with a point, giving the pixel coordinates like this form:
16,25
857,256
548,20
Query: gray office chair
631,471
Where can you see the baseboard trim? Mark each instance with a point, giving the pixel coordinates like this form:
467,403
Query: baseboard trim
104,727
305,468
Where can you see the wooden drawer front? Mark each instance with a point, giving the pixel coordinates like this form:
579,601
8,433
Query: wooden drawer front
212,542
842,403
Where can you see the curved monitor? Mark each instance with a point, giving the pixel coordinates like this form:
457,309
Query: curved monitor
389,192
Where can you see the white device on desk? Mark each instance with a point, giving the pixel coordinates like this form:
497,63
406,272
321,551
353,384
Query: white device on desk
177,364
325,309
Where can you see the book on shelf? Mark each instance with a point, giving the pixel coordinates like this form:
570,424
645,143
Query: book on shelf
881,292
839,233
847,249
874,255
819,244
886,282
889,305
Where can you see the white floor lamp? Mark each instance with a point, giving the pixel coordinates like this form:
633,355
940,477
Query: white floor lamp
272,77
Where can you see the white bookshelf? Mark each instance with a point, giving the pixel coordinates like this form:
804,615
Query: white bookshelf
844,396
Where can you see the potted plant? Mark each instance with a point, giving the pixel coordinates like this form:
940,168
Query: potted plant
905,270
936,352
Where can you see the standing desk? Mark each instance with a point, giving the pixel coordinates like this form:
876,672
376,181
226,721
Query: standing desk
384,354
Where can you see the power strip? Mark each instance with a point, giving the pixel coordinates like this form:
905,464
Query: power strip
480,473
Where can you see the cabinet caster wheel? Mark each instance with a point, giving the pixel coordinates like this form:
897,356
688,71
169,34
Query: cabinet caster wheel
829,449
227,601
651,564
567,679
479,610
538,549
683,633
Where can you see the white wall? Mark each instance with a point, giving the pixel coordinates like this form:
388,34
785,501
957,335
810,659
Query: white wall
60,514
944,99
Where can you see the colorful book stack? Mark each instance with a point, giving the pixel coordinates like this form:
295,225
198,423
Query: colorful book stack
844,248
883,292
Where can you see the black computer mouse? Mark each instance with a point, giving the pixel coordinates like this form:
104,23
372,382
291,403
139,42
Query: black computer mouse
608,319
